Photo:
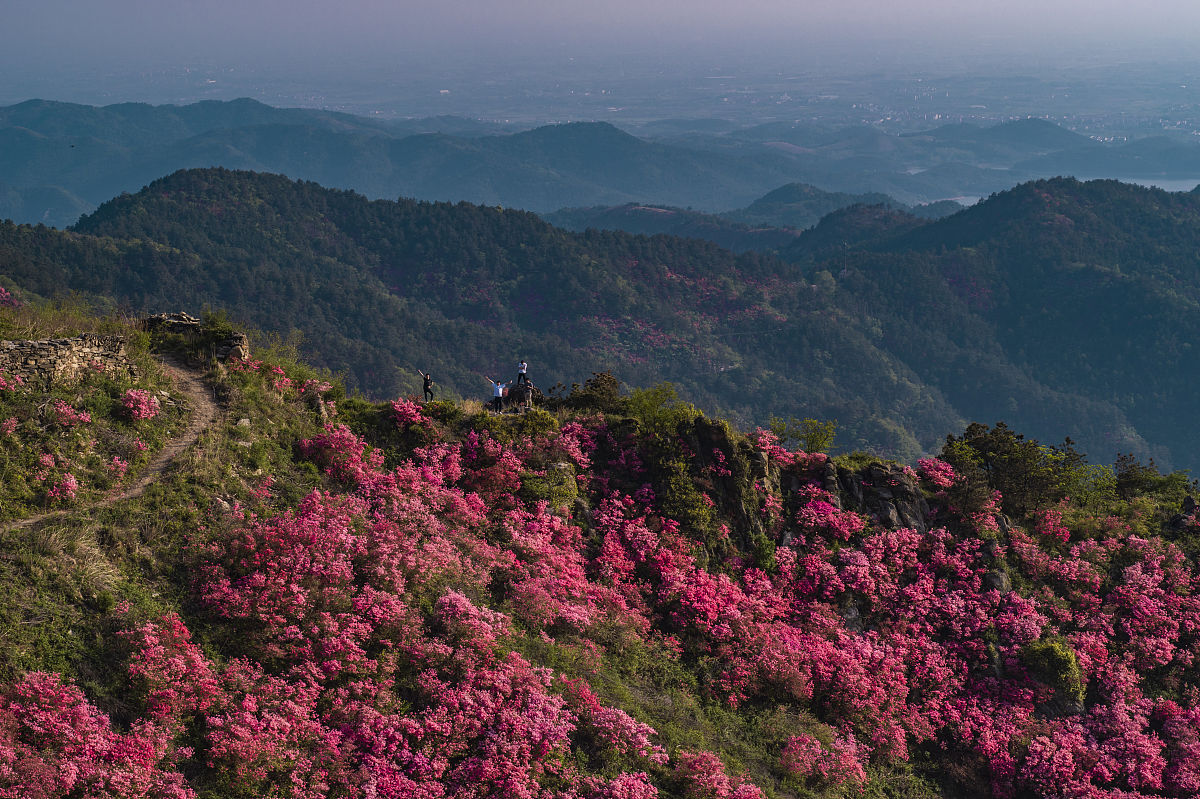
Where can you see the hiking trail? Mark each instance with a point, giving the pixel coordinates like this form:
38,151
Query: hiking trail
203,409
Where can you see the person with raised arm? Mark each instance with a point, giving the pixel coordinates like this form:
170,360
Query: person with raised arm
497,394
428,378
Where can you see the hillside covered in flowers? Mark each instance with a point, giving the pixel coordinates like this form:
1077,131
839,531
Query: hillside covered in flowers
609,597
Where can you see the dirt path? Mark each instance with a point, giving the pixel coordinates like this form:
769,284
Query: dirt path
204,412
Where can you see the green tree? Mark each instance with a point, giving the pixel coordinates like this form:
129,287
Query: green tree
1028,474
811,435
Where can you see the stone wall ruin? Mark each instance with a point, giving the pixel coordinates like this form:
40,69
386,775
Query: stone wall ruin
64,360
237,345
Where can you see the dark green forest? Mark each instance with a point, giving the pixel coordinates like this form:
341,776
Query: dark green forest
1063,308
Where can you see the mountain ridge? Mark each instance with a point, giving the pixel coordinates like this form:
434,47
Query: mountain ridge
940,329
97,152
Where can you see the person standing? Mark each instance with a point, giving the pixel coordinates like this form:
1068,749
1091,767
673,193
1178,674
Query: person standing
522,373
497,394
428,384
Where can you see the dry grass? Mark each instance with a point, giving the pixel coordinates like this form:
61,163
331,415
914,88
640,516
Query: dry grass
75,550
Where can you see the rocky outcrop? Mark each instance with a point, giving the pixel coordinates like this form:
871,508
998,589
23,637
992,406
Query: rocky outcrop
887,493
229,345
65,360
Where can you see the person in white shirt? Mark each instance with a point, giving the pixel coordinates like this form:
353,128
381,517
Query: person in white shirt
497,394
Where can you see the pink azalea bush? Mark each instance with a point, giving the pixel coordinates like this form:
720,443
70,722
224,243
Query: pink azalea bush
11,382
64,488
407,413
138,404
53,743
66,416
939,473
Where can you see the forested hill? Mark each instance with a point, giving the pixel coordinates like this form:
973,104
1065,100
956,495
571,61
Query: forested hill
1063,308
379,289
1086,289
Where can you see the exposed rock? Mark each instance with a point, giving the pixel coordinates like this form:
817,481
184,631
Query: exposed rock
236,346
759,464
581,512
885,492
1060,707
887,515
851,485
177,322
997,581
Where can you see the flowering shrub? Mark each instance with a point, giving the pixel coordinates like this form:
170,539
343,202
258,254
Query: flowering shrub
140,404
64,488
703,777
243,365
939,473
805,756
280,382
118,466
53,742
1049,522
313,387
819,515
66,416
407,413
11,382
173,674
616,729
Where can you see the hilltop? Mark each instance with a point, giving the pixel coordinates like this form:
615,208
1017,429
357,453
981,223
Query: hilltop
610,596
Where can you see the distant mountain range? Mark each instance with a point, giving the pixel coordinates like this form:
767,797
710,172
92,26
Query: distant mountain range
57,159
769,224
1060,307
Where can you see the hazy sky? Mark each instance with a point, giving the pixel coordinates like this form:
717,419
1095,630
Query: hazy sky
42,39
127,30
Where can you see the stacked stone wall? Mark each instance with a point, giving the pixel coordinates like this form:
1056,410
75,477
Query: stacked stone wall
64,360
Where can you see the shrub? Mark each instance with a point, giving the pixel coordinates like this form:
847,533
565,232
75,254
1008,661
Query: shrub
138,404
1055,664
